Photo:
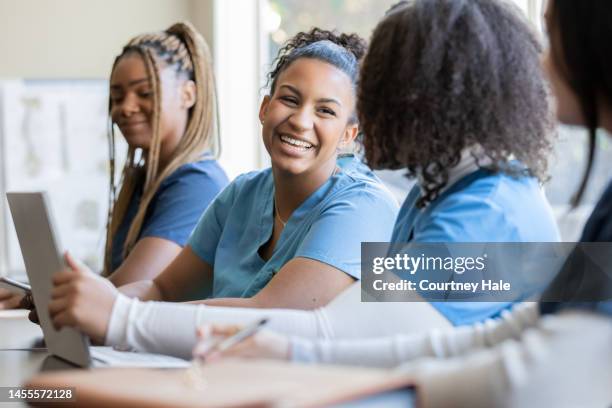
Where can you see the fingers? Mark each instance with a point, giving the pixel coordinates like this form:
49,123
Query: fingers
62,297
209,337
10,300
63,313
203,332
63,300
70,261
5,294
63,276
58,305
225,330
220,330
74,263
64,289
64,319
73,268
245,349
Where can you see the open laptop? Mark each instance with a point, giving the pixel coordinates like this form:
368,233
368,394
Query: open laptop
42,254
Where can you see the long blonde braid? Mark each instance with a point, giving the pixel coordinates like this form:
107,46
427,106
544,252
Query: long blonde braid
179,46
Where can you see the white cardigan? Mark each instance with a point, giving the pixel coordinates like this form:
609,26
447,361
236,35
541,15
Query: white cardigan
170,328
563,360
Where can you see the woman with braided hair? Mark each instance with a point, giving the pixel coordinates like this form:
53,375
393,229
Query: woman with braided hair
287,236
162,99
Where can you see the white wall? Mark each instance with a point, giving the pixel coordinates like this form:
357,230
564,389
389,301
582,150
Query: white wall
75,38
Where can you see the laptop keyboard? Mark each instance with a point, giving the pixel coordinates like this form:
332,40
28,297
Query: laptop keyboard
107,356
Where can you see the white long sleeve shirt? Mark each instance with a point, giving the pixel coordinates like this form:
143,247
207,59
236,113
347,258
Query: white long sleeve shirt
440,343
564,360
170,328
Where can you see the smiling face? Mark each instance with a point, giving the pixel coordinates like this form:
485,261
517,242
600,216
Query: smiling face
307,118
132,104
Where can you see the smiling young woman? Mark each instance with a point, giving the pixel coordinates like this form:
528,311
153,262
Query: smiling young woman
287,236
162,100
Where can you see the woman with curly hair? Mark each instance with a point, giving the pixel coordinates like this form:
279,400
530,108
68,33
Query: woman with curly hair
454,92
287,236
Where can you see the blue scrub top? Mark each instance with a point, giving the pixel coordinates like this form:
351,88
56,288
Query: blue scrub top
175,208
481,207
329,226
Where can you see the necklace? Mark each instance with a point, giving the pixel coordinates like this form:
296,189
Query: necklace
277,214
283,223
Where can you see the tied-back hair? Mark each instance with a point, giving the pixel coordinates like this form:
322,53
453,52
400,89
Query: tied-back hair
583,58
442,77
183,49
343,51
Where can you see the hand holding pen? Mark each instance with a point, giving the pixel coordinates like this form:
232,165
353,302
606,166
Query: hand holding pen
224,341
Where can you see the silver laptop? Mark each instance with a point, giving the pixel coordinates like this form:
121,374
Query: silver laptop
42,254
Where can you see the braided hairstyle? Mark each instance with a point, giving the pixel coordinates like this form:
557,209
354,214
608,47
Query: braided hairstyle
182,48
343,51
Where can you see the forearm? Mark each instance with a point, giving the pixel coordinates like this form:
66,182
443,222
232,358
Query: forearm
143,290
170,328
394,350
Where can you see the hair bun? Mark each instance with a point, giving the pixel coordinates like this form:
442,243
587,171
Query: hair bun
352,42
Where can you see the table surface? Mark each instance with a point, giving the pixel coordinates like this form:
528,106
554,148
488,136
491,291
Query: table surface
18,366
19,361
21,354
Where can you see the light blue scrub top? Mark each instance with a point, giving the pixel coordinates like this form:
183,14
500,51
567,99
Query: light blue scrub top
329,226
481,207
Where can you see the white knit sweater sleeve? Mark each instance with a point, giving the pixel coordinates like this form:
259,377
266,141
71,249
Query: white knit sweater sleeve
170,328
394,350
562,361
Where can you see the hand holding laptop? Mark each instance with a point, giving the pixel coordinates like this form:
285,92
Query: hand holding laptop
81,299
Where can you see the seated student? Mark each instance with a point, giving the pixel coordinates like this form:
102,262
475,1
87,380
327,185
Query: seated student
289,236
470,120
163,195
475,204
547,354
162,98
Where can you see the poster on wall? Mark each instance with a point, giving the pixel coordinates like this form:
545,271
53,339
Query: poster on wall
54,138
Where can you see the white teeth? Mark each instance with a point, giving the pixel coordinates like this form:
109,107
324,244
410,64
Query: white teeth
295,142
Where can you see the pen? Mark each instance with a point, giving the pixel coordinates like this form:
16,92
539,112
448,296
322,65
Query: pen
241,335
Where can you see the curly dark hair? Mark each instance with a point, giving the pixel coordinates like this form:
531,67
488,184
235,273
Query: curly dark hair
442,76
344,51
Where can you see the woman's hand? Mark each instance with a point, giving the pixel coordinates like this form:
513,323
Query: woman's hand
264,344
81,299
10,300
